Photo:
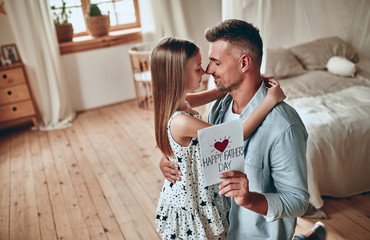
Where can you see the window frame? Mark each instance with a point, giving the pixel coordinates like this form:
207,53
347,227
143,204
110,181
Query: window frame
121,34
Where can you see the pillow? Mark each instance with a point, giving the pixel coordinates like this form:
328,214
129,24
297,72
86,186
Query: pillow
281,63
314,55
341,66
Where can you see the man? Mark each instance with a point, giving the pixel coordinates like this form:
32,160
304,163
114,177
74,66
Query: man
272,193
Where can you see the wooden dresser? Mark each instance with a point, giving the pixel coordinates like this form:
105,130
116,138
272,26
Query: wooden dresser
16,104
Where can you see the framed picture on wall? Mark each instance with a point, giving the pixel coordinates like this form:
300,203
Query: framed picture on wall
10,52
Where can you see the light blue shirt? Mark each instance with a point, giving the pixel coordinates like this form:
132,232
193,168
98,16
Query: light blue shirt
275,164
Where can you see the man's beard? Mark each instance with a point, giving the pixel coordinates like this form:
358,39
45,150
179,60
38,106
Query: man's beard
221,87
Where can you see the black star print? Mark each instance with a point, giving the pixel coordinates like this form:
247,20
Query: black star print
164,218
183,208
213,203
158,217
171,184
189,232
209,220
179,159
194,142
192,217
173,236
215,195
184,188
203,203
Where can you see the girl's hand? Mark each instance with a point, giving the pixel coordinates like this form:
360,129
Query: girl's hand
169,170
275,92
269,80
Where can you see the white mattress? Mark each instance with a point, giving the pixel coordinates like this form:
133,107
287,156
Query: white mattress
336,113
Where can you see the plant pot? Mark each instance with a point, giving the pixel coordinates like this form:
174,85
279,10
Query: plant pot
98,26
64,32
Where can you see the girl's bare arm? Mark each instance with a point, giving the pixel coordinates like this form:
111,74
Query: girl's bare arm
274,95
203,97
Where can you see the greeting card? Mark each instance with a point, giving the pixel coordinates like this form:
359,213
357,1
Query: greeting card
222,150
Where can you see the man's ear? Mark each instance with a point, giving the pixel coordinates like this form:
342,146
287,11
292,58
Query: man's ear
246,62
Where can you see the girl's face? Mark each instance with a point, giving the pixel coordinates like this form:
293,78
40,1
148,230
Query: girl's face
193,73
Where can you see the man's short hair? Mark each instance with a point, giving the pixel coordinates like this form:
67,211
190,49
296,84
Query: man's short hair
240,34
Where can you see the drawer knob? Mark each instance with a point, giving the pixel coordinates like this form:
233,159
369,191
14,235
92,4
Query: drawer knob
14,109
9,92
5,76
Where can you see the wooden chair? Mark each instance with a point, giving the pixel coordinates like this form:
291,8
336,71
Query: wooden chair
140,63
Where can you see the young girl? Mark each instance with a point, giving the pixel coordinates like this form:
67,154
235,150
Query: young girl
188,209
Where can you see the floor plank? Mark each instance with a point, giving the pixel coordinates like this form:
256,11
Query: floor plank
96,180
125,181
4,186
45,214
74,189
32,223
58,205
18,209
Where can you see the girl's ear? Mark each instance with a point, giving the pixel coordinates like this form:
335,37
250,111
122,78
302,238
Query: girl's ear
246,62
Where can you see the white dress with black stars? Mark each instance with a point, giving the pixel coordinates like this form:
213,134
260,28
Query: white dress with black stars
188,209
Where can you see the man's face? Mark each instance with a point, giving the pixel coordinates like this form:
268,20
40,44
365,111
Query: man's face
224,65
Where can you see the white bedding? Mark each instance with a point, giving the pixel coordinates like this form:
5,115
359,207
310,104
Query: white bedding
336,113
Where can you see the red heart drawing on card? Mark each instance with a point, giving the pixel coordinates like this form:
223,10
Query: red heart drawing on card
220,146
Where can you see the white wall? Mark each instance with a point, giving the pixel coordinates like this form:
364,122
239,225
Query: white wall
99,77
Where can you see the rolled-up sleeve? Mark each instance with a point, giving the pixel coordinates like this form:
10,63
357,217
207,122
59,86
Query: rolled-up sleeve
289,173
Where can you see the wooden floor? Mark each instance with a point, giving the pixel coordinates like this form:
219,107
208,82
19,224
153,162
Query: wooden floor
100,180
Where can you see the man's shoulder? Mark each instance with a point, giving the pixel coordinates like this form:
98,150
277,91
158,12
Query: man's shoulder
284,115
283,120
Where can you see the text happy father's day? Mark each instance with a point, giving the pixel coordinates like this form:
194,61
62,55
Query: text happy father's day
223,159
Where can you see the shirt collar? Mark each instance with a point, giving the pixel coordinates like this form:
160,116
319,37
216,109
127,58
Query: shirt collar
255,101
253,104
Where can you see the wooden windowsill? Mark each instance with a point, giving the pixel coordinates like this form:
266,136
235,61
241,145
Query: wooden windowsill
114,38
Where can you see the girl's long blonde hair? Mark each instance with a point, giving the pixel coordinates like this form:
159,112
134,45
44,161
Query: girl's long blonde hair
168,64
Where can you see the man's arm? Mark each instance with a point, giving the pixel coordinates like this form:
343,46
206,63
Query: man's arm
170,170
289,171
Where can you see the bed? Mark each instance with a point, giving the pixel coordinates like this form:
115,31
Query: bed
335,108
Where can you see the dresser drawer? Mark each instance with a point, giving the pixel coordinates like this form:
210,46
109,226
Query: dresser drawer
11,77
14,94
17,110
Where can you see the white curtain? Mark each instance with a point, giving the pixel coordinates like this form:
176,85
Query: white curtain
284,23
162,18
36,40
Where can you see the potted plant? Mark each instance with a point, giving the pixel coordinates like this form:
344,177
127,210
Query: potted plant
63,28
97,24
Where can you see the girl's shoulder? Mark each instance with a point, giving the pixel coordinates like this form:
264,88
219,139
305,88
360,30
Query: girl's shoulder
181,127
185,123
183,119
180,112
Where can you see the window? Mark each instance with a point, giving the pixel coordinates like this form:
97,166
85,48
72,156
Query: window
123,15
